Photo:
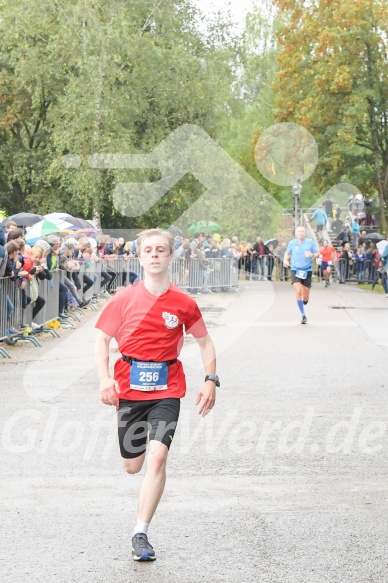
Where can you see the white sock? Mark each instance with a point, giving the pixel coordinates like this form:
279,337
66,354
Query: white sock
141,527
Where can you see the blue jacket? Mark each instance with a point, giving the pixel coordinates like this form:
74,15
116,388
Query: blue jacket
320,217
384,256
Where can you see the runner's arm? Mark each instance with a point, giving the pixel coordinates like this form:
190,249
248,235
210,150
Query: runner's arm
108,386
207,395
286,259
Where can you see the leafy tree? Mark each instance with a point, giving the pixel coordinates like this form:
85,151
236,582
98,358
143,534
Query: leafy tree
103,77
333,79
256,70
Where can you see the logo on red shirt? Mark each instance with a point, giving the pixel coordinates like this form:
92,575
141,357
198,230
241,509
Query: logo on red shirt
171,321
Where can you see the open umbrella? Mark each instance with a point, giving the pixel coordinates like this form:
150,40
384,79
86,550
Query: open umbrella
50,216
381,246
374,237
24,219
273,242
47,227
87,232
204,226
79,224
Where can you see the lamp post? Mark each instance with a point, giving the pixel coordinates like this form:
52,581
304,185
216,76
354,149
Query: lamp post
297,191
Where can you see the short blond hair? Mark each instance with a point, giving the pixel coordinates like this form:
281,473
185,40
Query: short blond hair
152,233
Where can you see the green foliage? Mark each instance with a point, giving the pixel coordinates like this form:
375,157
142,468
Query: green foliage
333,79
254,112
102,77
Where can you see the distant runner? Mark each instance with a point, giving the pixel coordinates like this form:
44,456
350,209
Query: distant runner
328,253
303,251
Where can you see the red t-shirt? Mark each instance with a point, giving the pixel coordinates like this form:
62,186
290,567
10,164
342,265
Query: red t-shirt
327,253
150,328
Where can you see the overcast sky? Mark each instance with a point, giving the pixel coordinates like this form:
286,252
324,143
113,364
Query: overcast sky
238,8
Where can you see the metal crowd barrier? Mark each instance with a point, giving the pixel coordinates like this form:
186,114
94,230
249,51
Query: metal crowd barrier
10,307
341,270
361,271
49,291
221,274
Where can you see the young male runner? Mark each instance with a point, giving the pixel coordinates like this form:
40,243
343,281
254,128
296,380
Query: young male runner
148,320
327,252
303,251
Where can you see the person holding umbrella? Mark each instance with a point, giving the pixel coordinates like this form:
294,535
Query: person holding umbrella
270,246
302,251
259,253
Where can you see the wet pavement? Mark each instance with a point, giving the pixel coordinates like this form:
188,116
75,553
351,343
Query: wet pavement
286,481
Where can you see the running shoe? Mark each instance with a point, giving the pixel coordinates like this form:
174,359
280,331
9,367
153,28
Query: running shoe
141,548
304,319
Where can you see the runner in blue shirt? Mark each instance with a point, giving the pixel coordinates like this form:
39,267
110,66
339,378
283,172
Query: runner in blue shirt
320,218
302,251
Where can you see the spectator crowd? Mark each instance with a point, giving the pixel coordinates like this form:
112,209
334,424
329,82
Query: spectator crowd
76,253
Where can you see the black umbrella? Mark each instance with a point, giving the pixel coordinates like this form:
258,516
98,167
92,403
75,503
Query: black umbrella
273,242
375,237
80,224
24,219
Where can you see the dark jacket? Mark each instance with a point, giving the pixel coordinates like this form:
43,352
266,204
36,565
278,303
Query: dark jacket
263,251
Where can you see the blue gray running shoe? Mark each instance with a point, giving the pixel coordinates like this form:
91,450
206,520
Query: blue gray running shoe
141,548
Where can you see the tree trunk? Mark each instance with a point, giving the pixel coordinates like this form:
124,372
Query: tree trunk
96,217
17,202
377,153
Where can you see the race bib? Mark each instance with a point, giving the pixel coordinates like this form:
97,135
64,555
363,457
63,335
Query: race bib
148,376
301,273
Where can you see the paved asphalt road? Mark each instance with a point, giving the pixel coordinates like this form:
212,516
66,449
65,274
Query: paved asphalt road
286,481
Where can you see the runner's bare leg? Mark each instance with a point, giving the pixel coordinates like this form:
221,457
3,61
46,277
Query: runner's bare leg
153,484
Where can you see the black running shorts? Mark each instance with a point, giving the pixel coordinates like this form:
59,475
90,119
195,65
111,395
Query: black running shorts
139,419
306,282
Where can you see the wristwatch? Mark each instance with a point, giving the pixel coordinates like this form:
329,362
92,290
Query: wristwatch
213,377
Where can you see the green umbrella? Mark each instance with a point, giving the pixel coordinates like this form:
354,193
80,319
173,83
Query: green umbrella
46,227
204,227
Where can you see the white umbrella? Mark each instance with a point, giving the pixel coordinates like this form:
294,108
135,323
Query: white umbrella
56,216
381,246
